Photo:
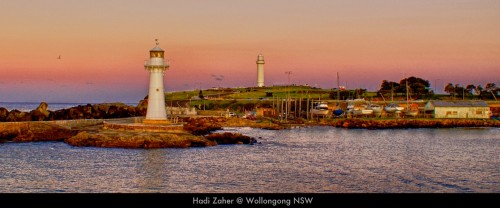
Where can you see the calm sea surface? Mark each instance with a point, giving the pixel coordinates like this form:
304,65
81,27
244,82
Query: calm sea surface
316,159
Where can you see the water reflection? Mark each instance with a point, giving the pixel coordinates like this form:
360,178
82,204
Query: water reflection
152,170
319,159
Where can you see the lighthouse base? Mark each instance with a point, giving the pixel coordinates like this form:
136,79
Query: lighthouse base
151,121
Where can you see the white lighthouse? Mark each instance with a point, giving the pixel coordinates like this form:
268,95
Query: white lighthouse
260,70
156,66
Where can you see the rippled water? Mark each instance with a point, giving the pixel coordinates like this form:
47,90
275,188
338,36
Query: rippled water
317,159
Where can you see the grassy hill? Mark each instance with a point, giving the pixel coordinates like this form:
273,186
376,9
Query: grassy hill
239,99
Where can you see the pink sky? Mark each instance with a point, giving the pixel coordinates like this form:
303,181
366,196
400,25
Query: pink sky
103,44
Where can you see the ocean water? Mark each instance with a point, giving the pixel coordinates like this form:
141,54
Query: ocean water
310,160
27,106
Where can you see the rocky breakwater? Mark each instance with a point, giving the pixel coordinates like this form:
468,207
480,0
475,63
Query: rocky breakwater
33,131
89,111
96,111
231,138
196,132
207,125
131,139
216,123
412,123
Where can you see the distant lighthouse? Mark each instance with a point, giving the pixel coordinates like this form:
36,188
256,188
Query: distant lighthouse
156,66
260,70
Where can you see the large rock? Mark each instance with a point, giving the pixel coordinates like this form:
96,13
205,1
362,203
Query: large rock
76,112
16,115
88,111
99,111
113,110
202,126
40,113
231,138
61,114
3,114
142,108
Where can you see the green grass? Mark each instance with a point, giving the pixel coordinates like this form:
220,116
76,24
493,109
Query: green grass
182,95
254,93
246,95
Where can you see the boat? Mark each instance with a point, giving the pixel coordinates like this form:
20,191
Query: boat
393,107
338,112
350,106
411,110
320,108
362,111
377,109
360,107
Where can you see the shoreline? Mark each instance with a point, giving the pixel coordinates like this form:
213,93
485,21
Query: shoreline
405,123
371,123
198,132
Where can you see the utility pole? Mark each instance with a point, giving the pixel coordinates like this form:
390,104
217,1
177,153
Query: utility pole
338,87
463,93
288,73
288,95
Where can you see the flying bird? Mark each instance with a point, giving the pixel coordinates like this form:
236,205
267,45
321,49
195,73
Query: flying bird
217,77
59,57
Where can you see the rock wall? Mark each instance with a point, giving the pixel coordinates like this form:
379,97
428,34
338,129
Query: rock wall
96,111
413,123
33,131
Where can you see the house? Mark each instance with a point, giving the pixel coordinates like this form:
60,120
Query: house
265,112
190,111
458,109
495,109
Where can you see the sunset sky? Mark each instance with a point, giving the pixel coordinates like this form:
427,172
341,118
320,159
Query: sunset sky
103,44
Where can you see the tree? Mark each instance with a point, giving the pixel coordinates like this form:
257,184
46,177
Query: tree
416,86
478,89
491,88
387,87
449,88
200,95
459,90
359,92
469,89
342,93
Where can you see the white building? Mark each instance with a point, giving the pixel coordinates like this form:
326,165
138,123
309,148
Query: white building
458,109
156,98
260,70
